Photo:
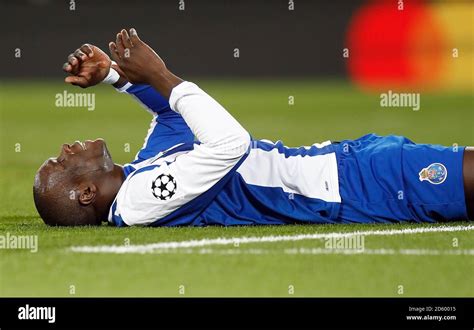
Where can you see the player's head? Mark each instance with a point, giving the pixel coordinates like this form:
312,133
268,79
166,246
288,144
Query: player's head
77,187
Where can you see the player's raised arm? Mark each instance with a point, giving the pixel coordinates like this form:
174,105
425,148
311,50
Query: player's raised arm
208,120
197,174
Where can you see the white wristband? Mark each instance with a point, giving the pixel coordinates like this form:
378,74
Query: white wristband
112,77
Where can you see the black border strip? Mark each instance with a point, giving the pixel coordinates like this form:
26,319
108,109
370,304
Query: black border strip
241,313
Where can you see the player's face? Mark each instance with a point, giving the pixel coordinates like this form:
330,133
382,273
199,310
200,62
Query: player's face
79,158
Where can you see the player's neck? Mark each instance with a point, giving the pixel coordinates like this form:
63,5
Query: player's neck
109,188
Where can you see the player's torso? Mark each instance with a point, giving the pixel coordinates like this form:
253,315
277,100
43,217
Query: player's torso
274,184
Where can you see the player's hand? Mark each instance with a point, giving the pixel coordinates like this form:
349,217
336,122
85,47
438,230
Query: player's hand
138,61
87,66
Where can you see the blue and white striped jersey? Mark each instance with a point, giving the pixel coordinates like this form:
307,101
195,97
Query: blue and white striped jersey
226,178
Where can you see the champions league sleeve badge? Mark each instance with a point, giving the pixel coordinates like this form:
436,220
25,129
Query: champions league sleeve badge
164,187
436,173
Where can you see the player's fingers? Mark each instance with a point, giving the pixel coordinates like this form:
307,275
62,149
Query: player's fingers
113,52
67,67
76,80
74,63
87,49
80,55
119,44
69,79
127,43
134,37
72,59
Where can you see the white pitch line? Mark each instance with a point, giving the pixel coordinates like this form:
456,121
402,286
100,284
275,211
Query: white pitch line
317,251
149,248
410,252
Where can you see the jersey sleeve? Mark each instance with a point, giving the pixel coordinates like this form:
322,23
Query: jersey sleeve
167,128
173,193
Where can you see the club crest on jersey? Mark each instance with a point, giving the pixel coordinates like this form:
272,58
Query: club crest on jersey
435,173
164,187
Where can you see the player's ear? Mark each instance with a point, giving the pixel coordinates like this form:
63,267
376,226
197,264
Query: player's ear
87,193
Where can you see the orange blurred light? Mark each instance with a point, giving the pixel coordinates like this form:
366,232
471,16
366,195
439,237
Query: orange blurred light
393,48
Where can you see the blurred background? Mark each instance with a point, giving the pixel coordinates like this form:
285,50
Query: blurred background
301,71
394,42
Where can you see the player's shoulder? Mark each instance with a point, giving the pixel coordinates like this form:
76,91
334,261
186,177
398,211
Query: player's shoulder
153,182
148,194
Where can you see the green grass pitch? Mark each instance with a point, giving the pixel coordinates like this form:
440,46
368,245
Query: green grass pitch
32,129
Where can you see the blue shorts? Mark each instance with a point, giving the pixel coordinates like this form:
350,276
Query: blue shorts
392,179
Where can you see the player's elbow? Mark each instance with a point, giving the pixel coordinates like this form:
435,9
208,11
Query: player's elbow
233,145
242,144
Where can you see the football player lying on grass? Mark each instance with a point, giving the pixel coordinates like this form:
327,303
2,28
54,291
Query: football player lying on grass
228,178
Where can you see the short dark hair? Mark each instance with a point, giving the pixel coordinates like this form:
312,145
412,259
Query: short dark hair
56,208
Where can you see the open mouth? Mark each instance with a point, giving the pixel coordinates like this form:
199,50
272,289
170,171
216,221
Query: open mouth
78,147
88,143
